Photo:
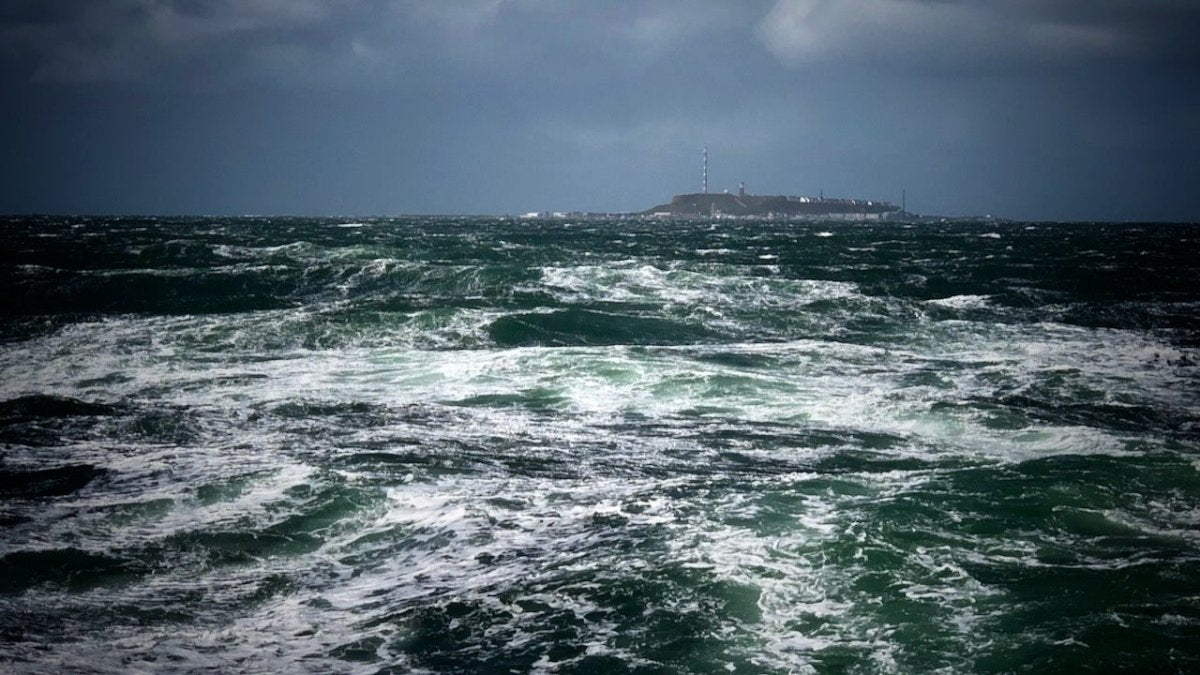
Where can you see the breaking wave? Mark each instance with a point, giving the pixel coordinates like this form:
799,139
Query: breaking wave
456,445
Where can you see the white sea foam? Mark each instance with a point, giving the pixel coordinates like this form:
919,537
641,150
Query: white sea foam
707,286
963,301
798,497
808,381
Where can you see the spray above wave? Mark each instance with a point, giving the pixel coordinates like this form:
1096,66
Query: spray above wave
481,445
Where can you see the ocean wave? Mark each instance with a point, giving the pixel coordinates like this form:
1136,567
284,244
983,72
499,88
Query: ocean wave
438,445
713,286
962,302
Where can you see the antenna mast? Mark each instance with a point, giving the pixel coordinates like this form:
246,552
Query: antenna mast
704,183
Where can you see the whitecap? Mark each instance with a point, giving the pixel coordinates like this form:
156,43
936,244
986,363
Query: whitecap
963,301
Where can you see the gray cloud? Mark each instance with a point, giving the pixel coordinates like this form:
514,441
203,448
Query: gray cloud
138,40
338,42
974,34
371,42
1033,108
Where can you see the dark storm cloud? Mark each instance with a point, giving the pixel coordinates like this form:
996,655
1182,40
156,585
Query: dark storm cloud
157,40
341,42
1034,108
370,41
975,34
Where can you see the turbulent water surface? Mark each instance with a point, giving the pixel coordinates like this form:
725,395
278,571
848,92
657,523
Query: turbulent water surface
487,445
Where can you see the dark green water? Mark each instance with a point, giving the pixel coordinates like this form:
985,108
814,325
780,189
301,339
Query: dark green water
484,445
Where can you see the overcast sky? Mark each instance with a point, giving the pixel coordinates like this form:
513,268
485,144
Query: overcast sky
1038,109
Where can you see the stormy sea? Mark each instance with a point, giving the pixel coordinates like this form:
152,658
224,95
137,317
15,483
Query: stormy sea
489,445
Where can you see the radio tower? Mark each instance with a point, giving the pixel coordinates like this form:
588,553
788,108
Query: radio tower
704,182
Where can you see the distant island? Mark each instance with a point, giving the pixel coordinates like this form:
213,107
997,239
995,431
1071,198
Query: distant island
743,205
704,204
770,206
